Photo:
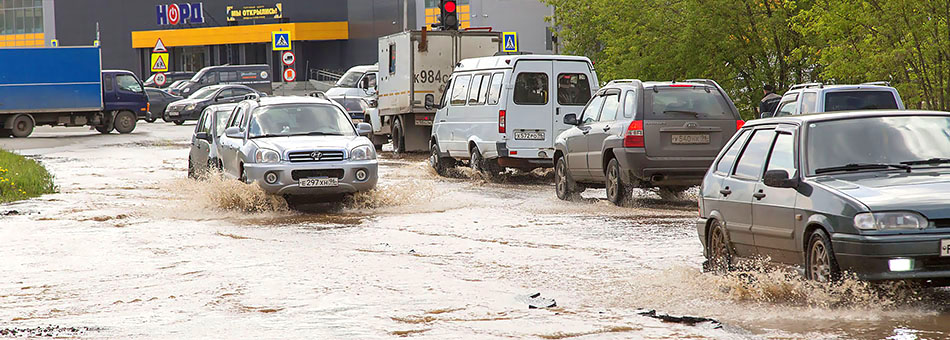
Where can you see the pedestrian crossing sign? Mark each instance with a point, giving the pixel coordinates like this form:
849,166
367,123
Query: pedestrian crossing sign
159,62
510,40
280,40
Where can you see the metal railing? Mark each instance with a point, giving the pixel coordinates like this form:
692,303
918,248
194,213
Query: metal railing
324,75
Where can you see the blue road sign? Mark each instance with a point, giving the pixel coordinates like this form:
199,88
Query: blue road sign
280,40
511,42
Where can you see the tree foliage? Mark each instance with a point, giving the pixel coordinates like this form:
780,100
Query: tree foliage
744,44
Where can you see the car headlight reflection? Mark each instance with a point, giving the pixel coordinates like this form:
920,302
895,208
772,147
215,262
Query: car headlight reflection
267,156
362,153
895,220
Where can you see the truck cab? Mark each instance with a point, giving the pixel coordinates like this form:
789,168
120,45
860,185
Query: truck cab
358,83
123,91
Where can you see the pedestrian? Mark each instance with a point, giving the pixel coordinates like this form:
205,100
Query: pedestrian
769,102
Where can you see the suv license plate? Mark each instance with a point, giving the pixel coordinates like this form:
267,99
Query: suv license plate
944,247
690,139
529,135
319,182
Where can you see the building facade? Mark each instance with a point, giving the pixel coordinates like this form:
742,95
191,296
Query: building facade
330,35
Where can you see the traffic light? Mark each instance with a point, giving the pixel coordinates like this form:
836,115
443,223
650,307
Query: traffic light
449,15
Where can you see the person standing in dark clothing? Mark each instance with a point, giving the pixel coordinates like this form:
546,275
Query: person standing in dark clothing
769,102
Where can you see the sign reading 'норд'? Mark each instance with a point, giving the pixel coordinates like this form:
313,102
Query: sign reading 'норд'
255,12
184,13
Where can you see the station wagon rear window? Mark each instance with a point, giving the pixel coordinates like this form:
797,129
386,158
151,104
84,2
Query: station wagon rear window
859,100
686,103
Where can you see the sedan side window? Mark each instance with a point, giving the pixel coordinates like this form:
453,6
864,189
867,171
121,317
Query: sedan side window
729,158
206,122
238,116
752,159
783,154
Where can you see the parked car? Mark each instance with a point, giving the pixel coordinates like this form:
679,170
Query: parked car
635,134
257,77
158,100
175,87
190,108
359,82
818,97
298,147
873,204
170,78
204,142
506,111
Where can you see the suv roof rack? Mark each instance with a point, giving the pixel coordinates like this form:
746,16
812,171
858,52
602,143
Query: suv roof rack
878,83
252,96
623,81
806,85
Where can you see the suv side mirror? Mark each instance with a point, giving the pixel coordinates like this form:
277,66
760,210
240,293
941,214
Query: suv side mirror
203,136
779,179
364,129
234,132
430,102
570,119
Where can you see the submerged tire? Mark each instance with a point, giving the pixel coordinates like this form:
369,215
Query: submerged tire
720,256
564,186
820,263
617,191
487,168
439,164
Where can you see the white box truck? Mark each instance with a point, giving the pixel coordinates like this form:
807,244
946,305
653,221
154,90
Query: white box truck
414,67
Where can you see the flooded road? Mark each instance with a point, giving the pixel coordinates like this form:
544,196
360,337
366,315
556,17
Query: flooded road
129,248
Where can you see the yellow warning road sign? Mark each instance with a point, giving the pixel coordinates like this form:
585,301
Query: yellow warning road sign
159,62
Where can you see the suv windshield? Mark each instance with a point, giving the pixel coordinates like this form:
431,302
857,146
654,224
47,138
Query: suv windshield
299,120
859,100
877,140
678,103
349,79
203,93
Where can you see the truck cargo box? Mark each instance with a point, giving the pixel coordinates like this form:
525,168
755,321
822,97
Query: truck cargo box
58,79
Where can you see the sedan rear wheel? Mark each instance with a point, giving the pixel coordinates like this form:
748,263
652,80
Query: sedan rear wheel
720,255
821,265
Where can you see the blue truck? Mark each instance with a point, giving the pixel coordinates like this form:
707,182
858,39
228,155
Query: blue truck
65,86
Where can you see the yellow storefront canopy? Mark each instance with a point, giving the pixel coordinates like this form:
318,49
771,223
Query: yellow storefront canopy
303,31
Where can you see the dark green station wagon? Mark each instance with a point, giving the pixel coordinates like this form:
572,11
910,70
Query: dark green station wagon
863,192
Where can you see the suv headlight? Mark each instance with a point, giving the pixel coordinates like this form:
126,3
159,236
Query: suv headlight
190,107
894,220
267,156
362,153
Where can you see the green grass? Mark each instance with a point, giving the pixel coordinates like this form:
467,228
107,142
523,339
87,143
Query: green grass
22,178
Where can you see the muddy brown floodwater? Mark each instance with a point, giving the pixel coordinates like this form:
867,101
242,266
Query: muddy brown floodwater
129,248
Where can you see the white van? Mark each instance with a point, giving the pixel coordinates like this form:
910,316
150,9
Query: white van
506,111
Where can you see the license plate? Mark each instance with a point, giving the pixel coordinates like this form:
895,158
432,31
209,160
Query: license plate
423,122
690,139
529,135
173,113
319,182
944,247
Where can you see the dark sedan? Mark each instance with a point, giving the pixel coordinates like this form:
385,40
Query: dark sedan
190,108
860,192
158,100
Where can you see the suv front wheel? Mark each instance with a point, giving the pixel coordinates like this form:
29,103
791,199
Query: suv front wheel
564,186
616,190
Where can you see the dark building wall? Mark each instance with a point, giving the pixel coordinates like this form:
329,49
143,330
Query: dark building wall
368,19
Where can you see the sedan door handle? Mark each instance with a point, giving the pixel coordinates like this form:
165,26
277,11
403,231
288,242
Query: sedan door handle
759,195
725,192
607,128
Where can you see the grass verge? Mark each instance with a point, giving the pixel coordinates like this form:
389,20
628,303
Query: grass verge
22,178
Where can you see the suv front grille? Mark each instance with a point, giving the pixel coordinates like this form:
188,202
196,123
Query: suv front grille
941,223
331,173
316,156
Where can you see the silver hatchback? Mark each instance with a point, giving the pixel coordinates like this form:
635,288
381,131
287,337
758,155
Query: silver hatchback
298,146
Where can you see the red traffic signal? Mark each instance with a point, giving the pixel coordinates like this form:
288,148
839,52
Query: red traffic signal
449,6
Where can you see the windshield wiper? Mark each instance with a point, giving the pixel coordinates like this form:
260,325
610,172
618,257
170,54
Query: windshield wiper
267,136
933,161
682,111
862,166
317,133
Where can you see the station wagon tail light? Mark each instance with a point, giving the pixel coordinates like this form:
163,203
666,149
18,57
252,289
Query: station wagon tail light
633,138
501,121
739,124
893,220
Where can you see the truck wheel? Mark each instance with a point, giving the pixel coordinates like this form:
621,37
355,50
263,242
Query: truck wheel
22,126
399,141
124,122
